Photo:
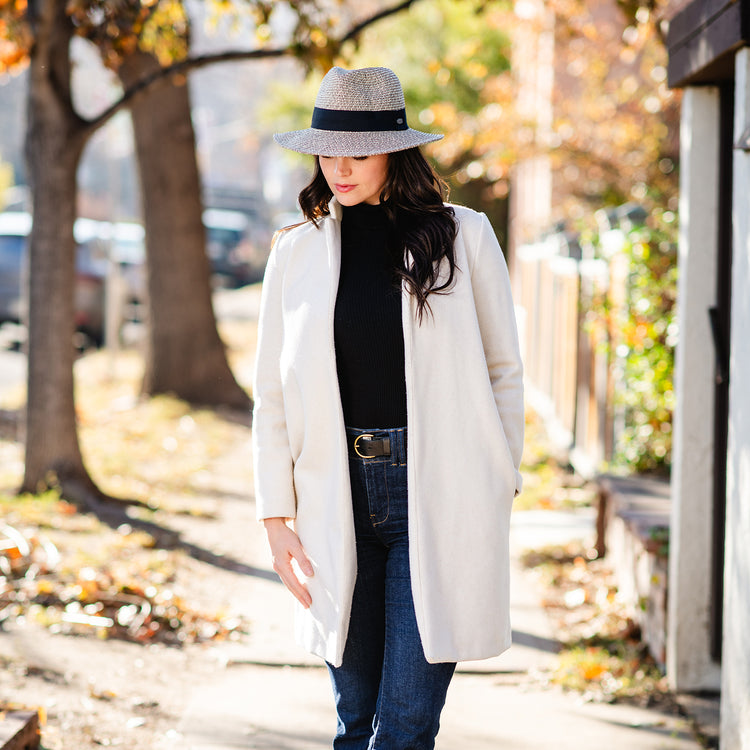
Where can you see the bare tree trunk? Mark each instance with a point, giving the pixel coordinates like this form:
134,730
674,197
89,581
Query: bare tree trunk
185,355
54,142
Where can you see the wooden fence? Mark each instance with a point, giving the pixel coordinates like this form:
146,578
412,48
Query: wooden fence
566,343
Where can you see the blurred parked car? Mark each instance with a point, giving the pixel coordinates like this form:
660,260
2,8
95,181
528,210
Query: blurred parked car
14,228
91,277
105,248
128,250
123,243
94,239
228,247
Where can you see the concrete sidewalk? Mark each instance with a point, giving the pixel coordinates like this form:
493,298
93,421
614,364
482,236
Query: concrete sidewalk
270,694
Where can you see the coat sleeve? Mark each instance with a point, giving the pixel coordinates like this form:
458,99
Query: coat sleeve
272,456
497,323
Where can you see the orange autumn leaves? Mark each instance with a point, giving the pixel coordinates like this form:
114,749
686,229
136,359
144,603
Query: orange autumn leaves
118,29
15,35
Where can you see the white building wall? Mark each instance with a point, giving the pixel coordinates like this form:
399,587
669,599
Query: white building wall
689,662
735,687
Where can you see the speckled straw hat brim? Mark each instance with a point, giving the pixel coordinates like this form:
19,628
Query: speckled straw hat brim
357,113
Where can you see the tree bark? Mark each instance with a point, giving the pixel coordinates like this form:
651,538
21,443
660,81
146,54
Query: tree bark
54,142
185,355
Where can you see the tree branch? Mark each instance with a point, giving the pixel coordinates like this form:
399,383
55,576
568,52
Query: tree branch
355,31
193,63
182,67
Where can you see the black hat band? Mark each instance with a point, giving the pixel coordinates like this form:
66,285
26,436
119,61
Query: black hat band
355,121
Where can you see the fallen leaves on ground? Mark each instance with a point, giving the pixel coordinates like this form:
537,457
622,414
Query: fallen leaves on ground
603,656
66,569
117,588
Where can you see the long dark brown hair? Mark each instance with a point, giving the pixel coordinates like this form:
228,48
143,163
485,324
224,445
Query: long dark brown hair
422,228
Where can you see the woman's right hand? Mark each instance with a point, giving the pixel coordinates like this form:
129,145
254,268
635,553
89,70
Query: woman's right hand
285,548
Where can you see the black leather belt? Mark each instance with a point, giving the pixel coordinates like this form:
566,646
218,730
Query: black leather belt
367,446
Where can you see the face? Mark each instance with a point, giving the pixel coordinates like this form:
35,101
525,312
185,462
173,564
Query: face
355,179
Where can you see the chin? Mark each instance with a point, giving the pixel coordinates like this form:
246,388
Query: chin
347,199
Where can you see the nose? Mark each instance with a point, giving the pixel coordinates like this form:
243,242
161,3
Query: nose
342,165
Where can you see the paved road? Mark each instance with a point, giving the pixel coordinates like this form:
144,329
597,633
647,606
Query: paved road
237,304
12,369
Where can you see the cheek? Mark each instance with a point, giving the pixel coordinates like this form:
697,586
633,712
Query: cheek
377,175
381,172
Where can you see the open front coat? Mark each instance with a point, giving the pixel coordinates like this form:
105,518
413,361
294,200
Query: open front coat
465,425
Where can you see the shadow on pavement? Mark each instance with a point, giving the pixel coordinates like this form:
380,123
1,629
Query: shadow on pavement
653,726
262,740
538,642
169,539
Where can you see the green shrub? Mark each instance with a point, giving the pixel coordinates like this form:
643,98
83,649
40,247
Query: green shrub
645,332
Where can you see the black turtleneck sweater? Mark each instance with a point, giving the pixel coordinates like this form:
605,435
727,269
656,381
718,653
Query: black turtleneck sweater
367,323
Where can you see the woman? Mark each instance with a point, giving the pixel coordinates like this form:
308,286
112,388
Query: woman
388,422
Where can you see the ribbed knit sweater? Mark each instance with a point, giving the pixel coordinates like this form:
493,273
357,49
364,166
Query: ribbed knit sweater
368,332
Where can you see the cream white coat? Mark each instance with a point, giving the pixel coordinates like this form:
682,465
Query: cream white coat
465,422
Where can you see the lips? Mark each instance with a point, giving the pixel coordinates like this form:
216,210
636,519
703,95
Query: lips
344,188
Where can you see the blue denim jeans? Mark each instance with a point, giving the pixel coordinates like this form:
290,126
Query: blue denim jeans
387,696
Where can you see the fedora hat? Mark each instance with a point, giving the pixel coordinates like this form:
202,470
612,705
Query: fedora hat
357,113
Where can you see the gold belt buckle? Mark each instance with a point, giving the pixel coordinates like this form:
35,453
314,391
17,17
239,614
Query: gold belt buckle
356,449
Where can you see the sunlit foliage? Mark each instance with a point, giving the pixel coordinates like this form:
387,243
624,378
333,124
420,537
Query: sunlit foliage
454,61
645,346
117,29
15,35
614,136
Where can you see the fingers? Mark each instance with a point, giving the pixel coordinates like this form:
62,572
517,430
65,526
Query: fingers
292,582
288,553
298,553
